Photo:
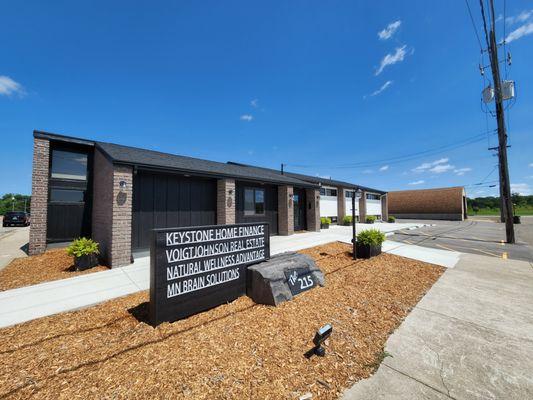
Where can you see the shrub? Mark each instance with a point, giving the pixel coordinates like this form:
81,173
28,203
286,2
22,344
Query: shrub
391,219
325,220
371,237
82,247
347,220
370,219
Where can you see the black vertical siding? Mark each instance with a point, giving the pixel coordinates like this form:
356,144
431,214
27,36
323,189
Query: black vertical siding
271,206
170,201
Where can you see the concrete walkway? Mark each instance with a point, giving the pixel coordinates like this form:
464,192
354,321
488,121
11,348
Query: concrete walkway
31,302
12,241
470,337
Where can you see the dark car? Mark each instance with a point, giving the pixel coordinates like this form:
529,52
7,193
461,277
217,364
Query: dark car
16,218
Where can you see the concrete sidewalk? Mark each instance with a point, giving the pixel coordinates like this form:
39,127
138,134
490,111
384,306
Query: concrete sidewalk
12,241
31,302
470,337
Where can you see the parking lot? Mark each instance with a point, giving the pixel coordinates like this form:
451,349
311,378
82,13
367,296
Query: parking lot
476,236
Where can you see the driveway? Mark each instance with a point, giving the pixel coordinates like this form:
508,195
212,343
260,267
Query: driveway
13,244
470,337
476,236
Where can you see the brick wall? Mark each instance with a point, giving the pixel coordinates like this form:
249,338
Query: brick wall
384,208
362,207
285,210
427,201
226,201
341,205
39,196
112,210
313,209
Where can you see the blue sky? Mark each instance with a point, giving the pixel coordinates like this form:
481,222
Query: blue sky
310,84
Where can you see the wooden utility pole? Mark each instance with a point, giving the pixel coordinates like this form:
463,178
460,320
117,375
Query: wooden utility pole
505,186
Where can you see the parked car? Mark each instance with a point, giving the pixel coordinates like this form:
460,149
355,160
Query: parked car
16,218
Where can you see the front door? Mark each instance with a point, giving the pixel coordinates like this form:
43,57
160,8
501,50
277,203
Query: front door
299,209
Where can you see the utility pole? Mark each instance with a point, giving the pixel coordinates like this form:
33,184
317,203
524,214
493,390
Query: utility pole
505,186
282,166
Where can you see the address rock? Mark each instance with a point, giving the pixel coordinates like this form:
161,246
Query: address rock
268,283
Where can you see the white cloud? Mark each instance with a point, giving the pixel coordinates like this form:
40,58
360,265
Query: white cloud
440,168
254,103
368,171
384,168
462,171
246,117
524,30
531,165
417,182
521,188
389,30
522,17
427,165
391,59
382,88
9,87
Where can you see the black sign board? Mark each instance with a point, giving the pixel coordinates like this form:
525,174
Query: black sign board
299,280
197,268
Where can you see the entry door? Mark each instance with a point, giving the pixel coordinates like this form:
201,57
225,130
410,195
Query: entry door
299,209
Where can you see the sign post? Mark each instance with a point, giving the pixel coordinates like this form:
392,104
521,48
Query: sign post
198,268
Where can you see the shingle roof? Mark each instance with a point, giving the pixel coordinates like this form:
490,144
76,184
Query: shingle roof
150,158
314,179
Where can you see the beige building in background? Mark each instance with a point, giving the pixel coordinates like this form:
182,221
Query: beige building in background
441,203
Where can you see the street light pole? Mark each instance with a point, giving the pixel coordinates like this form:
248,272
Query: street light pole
13,204
354,231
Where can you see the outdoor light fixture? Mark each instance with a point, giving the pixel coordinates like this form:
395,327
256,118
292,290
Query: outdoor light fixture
320,337
123,185
230,192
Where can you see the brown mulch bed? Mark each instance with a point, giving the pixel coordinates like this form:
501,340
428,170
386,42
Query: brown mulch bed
235,351
52,265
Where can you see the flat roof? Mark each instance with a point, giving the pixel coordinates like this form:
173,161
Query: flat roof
139,157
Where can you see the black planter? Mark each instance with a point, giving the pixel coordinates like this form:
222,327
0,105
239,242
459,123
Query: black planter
367,251
369,222
516,219
85,262
324,226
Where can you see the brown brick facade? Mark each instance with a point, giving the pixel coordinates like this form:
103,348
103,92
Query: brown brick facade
433,203
362,207
226,195
341,205
112,210
313,209
39,196
285,210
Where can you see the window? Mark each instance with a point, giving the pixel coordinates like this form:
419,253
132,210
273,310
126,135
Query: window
328,192
371,196
66,195
348,194
254,201
69,165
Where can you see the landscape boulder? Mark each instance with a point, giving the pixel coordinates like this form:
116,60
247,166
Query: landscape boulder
267,281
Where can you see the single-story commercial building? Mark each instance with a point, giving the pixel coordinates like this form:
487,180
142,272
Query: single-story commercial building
117,194
440,204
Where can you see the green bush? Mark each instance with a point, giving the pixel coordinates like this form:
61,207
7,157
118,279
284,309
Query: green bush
391,219
370,219
325,220
347,220
82,247
372,237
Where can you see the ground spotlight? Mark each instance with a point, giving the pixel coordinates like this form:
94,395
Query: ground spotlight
320,337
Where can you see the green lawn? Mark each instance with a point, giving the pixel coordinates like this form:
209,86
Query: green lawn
496,211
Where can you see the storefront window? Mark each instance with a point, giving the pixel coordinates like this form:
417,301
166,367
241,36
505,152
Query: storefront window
69,165
254,201
66,195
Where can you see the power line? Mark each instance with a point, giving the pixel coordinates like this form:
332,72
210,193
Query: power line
402,158
484,24
474,25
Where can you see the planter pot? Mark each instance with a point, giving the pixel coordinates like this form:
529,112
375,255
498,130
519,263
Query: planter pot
367,251
324,226
369,222
516,219
85,262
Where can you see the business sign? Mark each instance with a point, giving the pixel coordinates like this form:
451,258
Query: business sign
300,280
197,268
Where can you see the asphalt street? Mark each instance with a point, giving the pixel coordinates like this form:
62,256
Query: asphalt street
475,236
